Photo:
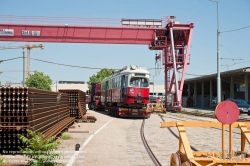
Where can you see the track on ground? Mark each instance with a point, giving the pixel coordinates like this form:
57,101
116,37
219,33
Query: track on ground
150,153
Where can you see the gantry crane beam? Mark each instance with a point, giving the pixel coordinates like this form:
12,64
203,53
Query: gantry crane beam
28,47
80,34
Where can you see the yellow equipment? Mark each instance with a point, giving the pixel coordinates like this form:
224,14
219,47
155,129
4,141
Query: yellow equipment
157,107
227,113
188,157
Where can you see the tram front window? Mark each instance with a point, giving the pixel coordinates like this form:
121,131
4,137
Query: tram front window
138,82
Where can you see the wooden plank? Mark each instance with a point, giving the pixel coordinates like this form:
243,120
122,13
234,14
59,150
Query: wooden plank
185,142
245,131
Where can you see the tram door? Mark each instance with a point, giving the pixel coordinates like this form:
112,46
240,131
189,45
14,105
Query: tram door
106,91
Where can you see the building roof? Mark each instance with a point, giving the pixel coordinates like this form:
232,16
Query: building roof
224,75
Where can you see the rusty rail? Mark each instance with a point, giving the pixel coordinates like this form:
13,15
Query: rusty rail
59,127
76,96
25,108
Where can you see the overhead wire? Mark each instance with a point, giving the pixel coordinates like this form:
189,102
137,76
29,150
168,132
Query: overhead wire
67,64
9,77
231,53
235,29
8,44
114,69
11,59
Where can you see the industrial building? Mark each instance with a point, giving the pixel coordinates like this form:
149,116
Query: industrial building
234,84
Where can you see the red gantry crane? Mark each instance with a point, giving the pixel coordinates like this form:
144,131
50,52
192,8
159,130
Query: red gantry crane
167,35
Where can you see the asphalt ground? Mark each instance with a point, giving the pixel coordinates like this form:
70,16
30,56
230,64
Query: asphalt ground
117,141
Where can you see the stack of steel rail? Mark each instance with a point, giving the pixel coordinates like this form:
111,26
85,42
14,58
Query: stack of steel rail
29,108
75,96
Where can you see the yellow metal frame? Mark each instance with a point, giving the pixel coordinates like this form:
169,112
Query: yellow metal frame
213,158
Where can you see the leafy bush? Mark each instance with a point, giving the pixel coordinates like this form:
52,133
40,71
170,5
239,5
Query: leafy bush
39,150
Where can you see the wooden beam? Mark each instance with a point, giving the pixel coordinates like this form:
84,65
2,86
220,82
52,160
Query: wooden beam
184,139
230,141
223,141
245,131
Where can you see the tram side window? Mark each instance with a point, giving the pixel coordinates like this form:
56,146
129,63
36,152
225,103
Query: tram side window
116,82
120,81
103,86
113,83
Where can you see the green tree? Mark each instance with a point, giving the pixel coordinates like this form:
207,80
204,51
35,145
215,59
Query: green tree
39,80
99,76
39,150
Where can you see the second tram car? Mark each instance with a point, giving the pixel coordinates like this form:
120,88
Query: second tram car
126,92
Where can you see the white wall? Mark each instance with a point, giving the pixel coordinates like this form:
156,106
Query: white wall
82,87
157,88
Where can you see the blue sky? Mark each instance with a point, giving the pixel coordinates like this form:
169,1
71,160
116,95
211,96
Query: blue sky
234,14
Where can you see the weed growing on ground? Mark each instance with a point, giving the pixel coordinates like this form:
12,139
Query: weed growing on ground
180,115
65,137
197,111
2,160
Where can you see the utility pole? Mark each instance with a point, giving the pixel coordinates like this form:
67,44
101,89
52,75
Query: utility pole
23,68
218,55
28,62
153,85
29,47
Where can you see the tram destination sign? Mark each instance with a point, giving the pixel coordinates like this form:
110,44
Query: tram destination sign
6,32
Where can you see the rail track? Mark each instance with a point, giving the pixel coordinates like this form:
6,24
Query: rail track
150,152
174,134
208,115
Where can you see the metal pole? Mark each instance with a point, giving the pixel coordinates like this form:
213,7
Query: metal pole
28,63
153,86
56,86
218,55
23,68
218,58
175,68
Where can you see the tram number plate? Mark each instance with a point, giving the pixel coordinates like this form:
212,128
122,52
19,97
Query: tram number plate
134,113
134,110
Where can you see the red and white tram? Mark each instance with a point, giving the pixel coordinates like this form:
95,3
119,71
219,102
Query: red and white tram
126,92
